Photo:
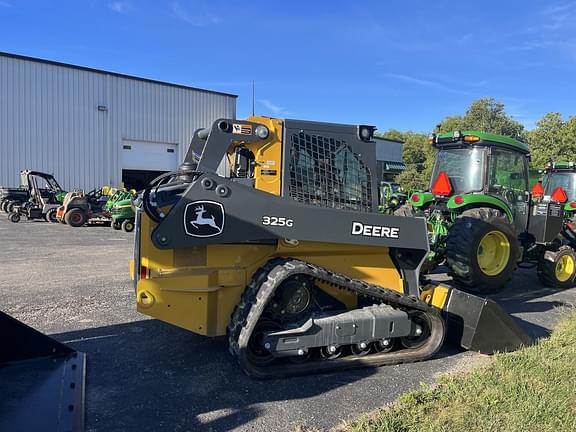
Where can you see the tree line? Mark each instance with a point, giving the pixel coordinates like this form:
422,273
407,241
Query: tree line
553,138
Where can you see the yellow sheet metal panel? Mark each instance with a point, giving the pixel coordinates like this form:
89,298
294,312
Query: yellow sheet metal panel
268,172
435,295
369,263
198,288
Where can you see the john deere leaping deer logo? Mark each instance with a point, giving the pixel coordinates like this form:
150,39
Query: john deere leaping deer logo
204,218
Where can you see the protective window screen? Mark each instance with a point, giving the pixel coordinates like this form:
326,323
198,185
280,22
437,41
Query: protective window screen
326,172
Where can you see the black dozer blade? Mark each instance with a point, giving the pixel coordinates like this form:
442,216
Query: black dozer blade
41,381
480,324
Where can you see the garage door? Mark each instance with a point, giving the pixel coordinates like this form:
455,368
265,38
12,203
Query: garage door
149,156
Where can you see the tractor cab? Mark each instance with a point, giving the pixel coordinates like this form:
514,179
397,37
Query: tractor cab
391,196
474,169
482,219
559,184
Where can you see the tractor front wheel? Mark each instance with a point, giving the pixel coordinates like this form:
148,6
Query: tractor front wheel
75,217
557,268
128,225
14,217
482,250
50,216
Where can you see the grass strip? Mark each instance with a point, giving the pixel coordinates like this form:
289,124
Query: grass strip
533,389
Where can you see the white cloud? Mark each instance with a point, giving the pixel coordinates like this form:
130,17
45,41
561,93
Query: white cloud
120,6
559,8
426,83
277,110
532,45
195,19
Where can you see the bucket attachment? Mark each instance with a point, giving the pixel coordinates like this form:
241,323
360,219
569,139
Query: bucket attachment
41,381
480,324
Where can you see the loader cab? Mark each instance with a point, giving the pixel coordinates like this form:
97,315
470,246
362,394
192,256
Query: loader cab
327,165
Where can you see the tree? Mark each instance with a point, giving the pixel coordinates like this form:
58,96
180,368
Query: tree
487,115
450,124
417,155
568,150
546,139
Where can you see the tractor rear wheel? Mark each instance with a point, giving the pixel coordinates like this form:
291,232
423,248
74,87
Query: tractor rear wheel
75,217
557,268
482,250
4,206
11,204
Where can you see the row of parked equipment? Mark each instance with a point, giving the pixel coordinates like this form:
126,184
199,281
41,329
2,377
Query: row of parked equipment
40,197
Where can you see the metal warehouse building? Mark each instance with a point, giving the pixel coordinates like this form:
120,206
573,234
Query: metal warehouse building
91,127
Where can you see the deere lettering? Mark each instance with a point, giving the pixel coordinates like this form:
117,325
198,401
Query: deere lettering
358,228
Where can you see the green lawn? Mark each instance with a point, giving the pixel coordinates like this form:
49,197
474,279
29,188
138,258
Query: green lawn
533,389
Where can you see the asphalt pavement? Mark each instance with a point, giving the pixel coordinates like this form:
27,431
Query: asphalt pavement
145,375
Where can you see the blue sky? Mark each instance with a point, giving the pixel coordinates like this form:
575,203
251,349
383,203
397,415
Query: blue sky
402,65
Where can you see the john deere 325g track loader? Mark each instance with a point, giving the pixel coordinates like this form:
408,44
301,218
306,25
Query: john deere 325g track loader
270,233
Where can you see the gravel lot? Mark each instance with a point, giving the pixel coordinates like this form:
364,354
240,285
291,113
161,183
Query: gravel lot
144,375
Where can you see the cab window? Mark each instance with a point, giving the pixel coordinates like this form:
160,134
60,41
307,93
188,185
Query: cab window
507,171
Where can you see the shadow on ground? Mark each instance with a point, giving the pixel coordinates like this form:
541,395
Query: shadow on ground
148,375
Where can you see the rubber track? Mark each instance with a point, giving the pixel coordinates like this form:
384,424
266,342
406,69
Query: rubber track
262,288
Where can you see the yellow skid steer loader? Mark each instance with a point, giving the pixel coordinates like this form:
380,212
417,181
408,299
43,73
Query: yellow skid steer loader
270,233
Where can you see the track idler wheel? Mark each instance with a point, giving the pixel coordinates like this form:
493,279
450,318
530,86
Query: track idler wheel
384,345
421,331
360,349
331,352
257,352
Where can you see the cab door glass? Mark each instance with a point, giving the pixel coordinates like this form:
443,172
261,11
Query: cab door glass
508,175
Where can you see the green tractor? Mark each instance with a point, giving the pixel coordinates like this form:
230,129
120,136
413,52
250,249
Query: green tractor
392,197
122,210
560,174
482,221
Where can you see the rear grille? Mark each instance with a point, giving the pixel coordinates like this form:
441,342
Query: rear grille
327,173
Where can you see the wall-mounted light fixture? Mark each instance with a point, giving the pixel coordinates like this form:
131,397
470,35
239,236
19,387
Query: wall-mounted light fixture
102,108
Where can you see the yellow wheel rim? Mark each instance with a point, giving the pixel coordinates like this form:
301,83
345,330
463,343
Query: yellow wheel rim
564,268
493,253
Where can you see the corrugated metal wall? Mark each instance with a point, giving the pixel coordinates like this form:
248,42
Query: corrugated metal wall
50,121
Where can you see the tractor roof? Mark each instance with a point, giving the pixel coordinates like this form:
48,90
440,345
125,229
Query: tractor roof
474,137
560,166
